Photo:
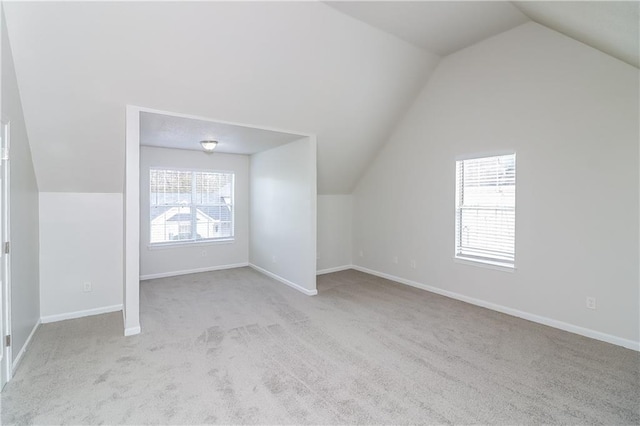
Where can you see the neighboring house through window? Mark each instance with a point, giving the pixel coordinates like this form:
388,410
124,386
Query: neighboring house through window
485,209
190,206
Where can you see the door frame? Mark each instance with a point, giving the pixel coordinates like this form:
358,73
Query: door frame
131,278
5,264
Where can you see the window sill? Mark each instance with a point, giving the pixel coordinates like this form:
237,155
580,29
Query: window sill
485,264
163,246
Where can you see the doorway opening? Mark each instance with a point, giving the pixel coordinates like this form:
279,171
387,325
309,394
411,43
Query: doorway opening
253,161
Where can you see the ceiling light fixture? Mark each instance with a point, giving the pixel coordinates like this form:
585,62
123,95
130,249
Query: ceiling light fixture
209,146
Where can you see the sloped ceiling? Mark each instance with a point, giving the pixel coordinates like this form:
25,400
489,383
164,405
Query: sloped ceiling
297,67
437,26
445,27
610,26
344,71
167,131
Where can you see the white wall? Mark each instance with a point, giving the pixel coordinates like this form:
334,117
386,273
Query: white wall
283,213
25,276
173,260
571,114
80,241
335,217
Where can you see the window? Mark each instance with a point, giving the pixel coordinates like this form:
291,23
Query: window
485,209
189,206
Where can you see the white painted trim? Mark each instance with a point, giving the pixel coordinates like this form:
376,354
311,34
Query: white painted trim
132,331
215,120
192,271
485,264
5,266
485,154
284,281
132,219
630,344
132,203
190,243
79,314
312,244
334,269
16,361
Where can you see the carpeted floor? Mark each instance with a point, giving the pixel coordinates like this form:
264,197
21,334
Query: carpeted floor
237,347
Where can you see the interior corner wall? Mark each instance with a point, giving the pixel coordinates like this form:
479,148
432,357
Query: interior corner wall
81,240
570,112
334,232
176,260
25,271
283,213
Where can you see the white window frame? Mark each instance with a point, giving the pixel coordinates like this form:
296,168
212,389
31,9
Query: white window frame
493,262
193,206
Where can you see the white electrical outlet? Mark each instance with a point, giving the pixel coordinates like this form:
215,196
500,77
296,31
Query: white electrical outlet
274,259
203,253
591,302
361,254
413,264
395,259
86,287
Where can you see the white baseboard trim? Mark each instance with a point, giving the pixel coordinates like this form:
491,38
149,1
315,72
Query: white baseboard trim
284,281
619,341
79,314
132,331
334,269
192,271
129,331
24,348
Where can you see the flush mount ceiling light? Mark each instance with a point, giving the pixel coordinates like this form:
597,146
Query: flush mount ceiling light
209,146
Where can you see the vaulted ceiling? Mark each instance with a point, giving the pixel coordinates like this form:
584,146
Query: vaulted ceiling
440,27
610,26
444,27
344,71
295,67
167,131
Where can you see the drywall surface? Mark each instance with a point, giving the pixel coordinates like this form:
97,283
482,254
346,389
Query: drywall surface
570,113
156,261
334,231
302,66
283,213
25,276
80,242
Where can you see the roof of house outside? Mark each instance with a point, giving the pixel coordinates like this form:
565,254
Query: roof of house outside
221,212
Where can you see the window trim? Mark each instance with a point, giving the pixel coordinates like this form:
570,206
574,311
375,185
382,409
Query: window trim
196,242
480,261
190,243
487,264
485,154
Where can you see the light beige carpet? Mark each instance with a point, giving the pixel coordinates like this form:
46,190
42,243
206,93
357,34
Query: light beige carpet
237,347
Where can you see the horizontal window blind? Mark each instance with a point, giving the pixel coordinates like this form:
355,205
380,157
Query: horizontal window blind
190,205
485,208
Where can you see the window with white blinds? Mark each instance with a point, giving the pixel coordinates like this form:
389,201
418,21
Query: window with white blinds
190,206
485,209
